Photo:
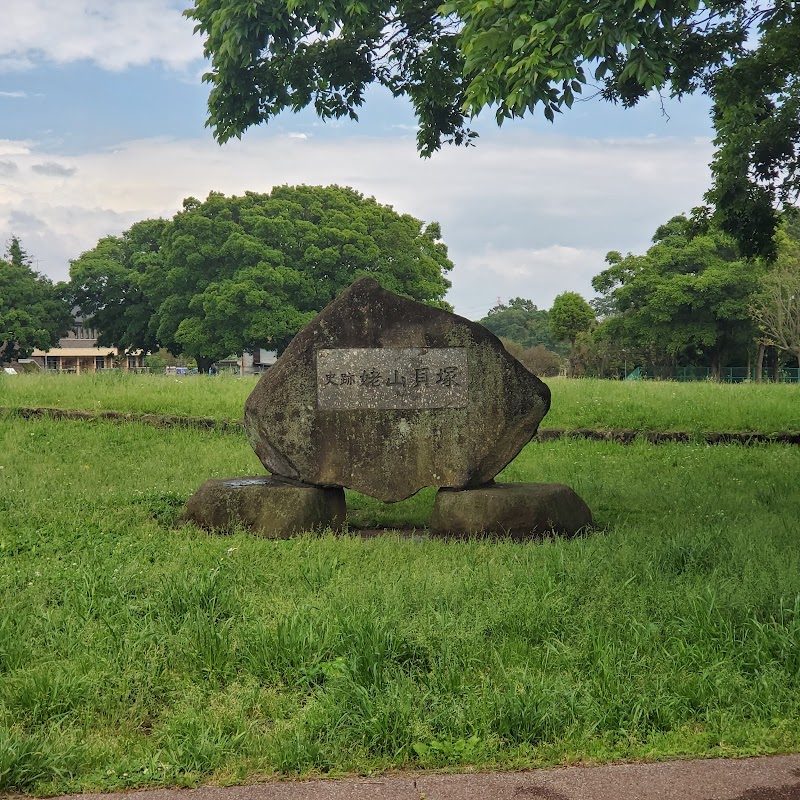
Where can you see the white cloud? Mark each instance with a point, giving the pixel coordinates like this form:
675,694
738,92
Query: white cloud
15,95
523,215
115,34
9,147
538,274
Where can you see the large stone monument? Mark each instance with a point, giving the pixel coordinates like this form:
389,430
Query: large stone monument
385,396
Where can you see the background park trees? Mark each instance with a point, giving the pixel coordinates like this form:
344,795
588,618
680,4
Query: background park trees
521,321
570,316
776,306
231,274
777,311
110,284
525,331
691,301
33,312
457,58
687,299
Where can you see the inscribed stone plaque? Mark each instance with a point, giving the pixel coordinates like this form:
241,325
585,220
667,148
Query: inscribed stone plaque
390,440
392,378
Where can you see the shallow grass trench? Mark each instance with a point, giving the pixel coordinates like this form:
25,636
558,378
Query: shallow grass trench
586,403
133,653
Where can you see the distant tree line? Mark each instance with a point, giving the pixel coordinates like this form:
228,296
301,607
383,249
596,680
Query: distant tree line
525,331
231,274
691,300
538,338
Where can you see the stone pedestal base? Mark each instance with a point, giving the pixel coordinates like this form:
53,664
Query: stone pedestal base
519,510
270,507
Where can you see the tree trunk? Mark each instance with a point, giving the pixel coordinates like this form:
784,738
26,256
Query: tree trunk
776,367
760,362
204,364
715,366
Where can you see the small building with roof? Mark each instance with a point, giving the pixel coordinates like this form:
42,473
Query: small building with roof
79,351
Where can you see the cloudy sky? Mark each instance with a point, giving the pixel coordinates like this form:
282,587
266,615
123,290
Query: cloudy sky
102,115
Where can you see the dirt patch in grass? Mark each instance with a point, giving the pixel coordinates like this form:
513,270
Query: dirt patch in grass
156,420
627,436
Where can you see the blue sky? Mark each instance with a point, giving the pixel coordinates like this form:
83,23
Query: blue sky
102,115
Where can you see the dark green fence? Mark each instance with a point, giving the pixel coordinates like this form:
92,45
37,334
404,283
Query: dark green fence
727,375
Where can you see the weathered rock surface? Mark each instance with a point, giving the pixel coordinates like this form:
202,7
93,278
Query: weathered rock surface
385,396
267,506
519,510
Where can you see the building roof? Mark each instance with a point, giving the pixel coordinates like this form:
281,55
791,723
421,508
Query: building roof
66,352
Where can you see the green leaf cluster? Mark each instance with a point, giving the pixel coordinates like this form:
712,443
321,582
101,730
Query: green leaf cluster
454,59
776,306
522,322
111,285
232,274
689,296
570,316
268,56
33,313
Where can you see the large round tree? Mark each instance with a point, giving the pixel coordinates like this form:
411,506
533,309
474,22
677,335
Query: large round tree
688,297
232,274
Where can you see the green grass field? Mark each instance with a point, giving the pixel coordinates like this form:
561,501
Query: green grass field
135,653
642,405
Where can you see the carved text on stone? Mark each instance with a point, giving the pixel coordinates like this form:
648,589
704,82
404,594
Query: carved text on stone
392,378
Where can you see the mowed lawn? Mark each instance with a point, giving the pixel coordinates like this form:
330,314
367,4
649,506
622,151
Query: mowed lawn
134,652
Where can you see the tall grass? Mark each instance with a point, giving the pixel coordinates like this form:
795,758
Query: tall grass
642,405
221,396
669,406
133,653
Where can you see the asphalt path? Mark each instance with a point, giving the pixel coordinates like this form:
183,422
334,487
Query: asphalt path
767,778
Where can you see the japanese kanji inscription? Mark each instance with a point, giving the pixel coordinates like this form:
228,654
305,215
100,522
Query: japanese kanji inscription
392,378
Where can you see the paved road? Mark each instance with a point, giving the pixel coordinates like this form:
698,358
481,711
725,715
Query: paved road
770,778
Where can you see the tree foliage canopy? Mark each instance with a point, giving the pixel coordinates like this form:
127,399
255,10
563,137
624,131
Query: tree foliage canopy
570,316
522,322
776,305
110,284
689,295
456,58
231,274
32,312
289,54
